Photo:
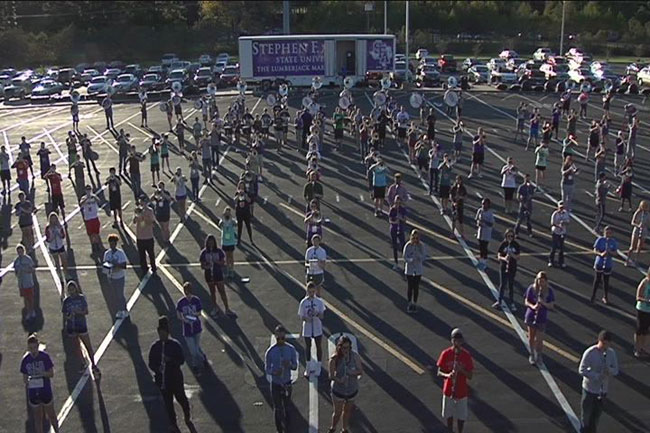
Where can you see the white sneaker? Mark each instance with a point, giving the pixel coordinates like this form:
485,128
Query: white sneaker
531,359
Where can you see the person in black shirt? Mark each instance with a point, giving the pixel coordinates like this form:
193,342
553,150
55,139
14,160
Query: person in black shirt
508,254
165,360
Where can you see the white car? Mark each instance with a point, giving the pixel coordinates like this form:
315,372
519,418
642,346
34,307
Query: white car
643,76
219,67
478,74
578,64
495,63
555,72
428,61
206,60
574,53
542,53
580,75
421,52
508,54
98,85
597,65
502,75
223,57
514,63
126,83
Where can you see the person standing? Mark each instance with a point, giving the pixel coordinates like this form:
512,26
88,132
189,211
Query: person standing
115,196
444,189
456,366
228,240
143,112
133,160
397,189
379,173
313,189
311,311
315,262
640,222
525,194
212,260
89,204
567,183
484,222
54,179
24,210
414,254
279,361
188,310
508,255
22,175
539,299
600,196
143,220
478,154
38,369
605,249
458,194
75,310
243,212
397,225
24,268
165,360
559,220
55,236
162,200
107,105
541,162
123,147
345,369
598,364
114,268
5,172
509,183
642,317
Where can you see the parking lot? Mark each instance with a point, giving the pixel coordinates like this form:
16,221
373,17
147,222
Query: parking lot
365,297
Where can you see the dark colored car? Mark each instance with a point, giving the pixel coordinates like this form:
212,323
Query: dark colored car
117,64
100,66
179,75
68,76
204,76
447,63
135,70
230,76
152,82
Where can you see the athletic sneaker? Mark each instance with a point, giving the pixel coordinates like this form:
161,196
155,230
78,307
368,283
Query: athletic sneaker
513,307
531,359
497,305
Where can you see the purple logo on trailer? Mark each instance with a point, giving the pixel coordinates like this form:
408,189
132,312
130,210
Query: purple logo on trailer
380,55
288,57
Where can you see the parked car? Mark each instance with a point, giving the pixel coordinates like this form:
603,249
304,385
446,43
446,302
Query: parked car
542,53
447,63
428,61
478,74
229,76
643,76
5,80
98,85
632,69
574,53
514,63
606,75
157,69
557,60
20,87
89,74
580,75
555,72
494,64
223,57
134,69
468,63
168,59
402,73
100,66
206,60
428,76
502,75
11,72
68,76
400,58
508,54
193,68
219,67
152,81
179,75
204,76
47,88
534,77
597,65
126,83
117,64
421,52
112,73
82,67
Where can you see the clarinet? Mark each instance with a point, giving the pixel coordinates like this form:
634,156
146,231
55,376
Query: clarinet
453,378
539,297
163,365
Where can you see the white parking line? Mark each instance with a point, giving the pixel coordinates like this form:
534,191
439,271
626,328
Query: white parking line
31,119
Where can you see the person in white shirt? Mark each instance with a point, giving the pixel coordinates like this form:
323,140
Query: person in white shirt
90,210
315,261
509,183
559,219
311,311
114,266
402,123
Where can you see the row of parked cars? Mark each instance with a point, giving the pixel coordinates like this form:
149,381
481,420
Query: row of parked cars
122,78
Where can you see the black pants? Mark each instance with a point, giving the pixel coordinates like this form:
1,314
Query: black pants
145,247
244,218
176,390
591,406
109,119
214,154
483,249
281,396
507,279
600,214
319,349
433,179
558,245
600,276
122,163
523,218
413,287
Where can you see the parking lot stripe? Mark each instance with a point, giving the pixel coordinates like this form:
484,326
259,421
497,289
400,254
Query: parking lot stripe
31,119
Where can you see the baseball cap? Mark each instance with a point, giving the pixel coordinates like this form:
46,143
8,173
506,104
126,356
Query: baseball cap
456,333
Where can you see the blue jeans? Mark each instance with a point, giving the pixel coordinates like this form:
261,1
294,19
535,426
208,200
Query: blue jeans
197,357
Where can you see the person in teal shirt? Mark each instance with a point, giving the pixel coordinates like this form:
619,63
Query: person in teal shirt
379,173
643,316
228,227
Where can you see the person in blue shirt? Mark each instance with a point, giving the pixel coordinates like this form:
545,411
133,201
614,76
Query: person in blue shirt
605,249
279,361
75,310
379,173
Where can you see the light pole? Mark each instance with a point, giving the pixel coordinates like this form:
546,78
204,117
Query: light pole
561,53
406,33
385,17
368,7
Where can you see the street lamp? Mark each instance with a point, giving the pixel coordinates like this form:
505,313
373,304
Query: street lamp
561,53
368,7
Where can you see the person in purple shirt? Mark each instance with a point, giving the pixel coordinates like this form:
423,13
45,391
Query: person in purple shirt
539,299
397,189
37,369
212,260
188,309
397,221
478,153
605,249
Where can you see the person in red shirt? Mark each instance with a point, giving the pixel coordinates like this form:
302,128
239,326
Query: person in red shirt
56,199
455,364
22,175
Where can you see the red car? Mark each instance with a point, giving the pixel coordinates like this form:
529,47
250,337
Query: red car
447,63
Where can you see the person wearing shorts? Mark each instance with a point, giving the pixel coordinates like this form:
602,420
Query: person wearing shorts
456,366
90,210
228,227
444,187
212,260
315,261
55,236
478,153
162,200
5,172
38,369
56,197
539,299
379,174
24,210
114,196
114,264
509,183
75,310
345,369
642,317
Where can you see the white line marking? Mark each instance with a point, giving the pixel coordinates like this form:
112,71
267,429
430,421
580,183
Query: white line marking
31,119
338,199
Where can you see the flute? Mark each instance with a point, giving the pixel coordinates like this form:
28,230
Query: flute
539,297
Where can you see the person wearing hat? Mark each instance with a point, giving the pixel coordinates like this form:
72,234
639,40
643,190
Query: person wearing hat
559,219
456,366
165,360
279,361
598,364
